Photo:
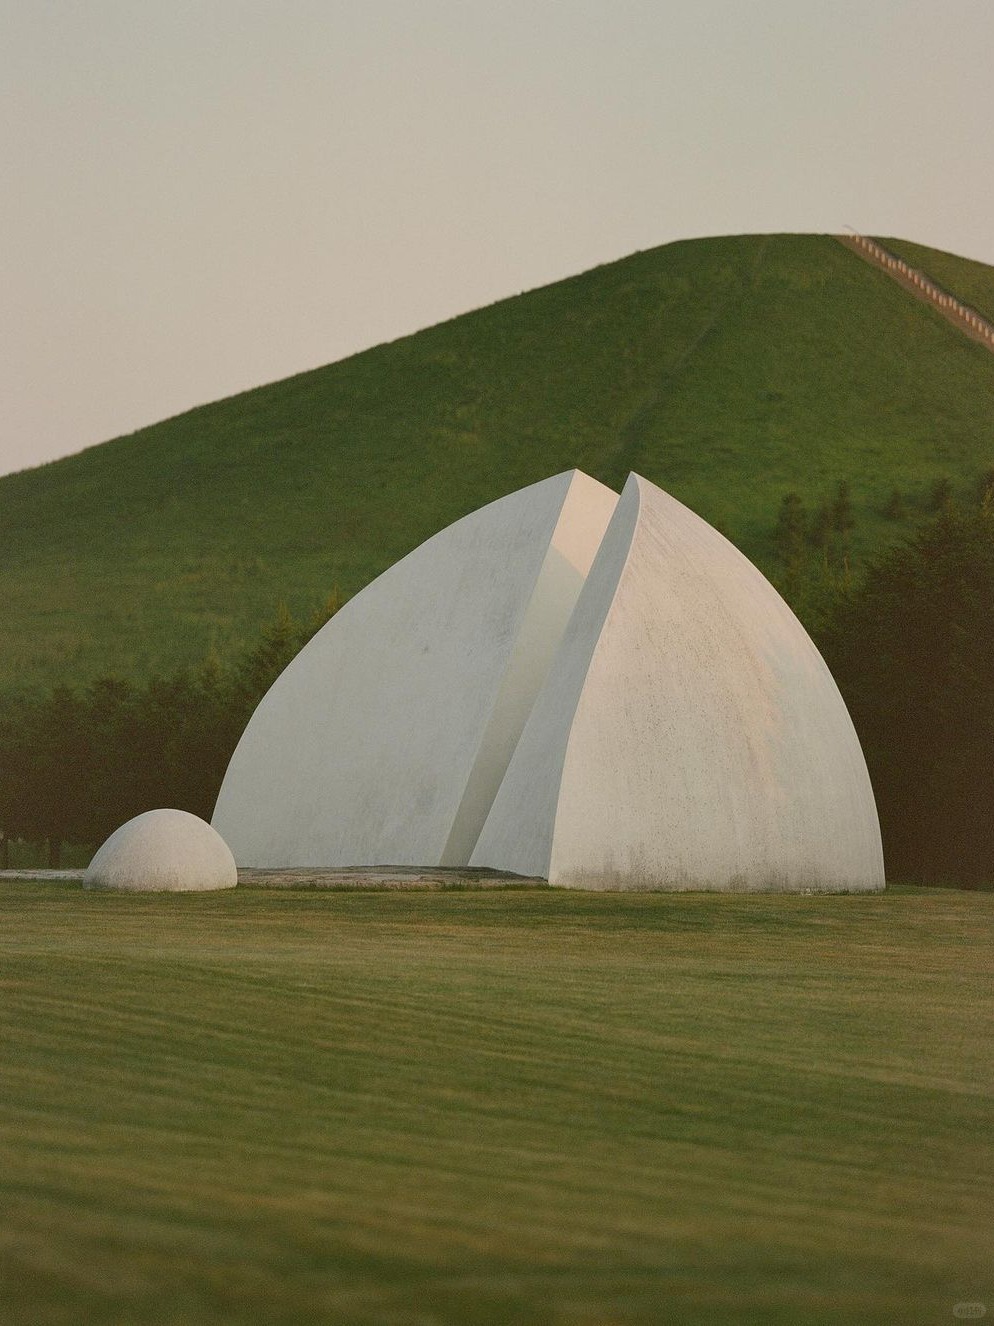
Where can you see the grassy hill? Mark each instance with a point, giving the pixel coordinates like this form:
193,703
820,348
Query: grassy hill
534,1107
726,370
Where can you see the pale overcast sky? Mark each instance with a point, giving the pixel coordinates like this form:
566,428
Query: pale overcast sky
198,197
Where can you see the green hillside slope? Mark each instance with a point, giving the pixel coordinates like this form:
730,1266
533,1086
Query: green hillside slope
727,370
969,281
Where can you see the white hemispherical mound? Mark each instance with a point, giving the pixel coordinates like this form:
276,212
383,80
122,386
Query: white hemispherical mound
163,851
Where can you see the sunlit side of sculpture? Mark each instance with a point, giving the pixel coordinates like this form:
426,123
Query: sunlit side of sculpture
688,735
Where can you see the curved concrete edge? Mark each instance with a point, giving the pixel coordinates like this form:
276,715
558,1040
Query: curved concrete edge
710,748
519,830
389,734
163,851
689,735
579,532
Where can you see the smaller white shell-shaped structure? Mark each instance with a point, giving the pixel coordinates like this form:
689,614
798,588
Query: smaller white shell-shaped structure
688,734
163,851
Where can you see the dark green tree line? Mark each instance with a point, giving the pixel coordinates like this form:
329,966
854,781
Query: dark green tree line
76,762
912,649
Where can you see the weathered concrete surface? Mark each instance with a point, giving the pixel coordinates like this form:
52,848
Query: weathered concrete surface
163,851
688,735
387,737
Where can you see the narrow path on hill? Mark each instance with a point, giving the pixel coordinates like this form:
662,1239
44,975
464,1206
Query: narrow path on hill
962,316
632,435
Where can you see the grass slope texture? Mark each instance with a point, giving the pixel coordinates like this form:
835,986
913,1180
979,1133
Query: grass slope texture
533,1107
726,370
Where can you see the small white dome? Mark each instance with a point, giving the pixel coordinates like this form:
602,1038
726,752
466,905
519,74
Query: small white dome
163,851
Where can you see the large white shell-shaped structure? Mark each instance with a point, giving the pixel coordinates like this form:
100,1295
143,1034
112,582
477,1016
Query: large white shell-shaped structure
688,734
385,740
601,692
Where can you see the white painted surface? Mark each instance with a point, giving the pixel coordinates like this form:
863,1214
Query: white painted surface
688,735
387,737
163,851
519,829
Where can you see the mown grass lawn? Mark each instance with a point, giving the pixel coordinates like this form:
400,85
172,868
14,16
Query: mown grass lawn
527,1107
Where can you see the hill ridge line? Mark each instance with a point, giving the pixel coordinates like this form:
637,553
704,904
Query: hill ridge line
962,316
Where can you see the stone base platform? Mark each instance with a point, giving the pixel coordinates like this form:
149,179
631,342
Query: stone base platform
423,878
344,878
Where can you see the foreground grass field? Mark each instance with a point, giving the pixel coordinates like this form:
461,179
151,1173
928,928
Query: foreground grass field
528,1107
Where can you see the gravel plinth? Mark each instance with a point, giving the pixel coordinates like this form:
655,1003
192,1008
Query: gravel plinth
341,878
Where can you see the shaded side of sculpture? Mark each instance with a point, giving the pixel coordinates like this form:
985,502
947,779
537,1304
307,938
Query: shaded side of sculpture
386,739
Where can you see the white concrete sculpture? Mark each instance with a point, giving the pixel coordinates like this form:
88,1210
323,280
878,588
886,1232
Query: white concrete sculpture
163,851
601,692
688,735
385,740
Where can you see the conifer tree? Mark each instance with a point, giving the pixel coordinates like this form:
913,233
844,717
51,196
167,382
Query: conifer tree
820,533
895,508
790,540
842,512
791,528
941,496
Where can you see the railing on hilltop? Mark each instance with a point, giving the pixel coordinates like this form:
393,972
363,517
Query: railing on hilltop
948,304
